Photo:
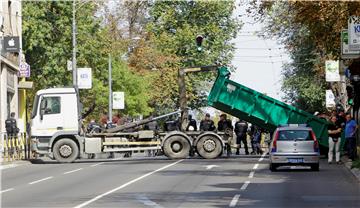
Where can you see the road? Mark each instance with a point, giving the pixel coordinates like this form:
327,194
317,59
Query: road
159,182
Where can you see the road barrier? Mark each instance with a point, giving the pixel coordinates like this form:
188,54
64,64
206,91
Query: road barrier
14,147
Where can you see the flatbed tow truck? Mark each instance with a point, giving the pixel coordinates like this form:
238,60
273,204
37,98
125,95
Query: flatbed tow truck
56,127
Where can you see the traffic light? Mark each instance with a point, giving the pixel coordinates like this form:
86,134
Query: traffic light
199,40
350,94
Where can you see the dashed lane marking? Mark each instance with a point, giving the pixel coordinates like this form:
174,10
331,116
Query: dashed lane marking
6,190
44,179
234,200
256,166
245,185
97,164
72,171
251,175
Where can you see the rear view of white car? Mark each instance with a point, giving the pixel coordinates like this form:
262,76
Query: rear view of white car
292,145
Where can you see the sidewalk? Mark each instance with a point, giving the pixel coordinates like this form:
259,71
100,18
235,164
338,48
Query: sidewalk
13,164
348,164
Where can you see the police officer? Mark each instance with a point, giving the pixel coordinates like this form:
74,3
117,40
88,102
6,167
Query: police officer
192,123
225,125
207,124
10,125
241,128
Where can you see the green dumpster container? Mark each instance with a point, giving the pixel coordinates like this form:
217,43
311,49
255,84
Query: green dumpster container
259,109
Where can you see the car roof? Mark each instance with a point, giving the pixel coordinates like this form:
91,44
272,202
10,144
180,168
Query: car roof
294,128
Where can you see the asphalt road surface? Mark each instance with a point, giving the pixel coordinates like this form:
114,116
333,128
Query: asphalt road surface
160,182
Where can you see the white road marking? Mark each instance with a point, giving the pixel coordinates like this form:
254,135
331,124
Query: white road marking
262,157
234,200
72,171
251,175
97,164
6,190
125,185
256,166
245,185
146,201
208,167
44,179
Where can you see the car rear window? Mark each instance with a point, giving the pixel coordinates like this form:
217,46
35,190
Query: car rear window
290,135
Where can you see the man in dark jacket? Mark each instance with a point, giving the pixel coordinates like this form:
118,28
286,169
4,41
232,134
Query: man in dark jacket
224,123
241,127
10,125
192,123
207,124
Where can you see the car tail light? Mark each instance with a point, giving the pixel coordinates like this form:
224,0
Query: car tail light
274,142
316,143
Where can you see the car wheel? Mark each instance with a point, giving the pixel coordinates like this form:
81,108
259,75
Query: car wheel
272,167
315,167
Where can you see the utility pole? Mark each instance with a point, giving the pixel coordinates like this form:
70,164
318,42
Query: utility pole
74,69
110,91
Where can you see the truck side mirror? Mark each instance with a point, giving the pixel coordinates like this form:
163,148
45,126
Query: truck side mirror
43,105
42,112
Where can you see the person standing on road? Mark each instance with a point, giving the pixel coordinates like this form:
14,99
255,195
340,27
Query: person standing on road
207,124
192,126
241,127
350,140
225,125
334,130
11,126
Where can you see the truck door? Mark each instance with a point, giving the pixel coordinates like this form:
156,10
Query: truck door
49,119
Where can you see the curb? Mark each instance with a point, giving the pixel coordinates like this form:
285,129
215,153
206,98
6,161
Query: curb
354,171
13,164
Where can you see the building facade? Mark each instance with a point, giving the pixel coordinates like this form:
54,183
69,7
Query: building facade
10,26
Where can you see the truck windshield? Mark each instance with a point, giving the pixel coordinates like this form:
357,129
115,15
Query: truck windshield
34,107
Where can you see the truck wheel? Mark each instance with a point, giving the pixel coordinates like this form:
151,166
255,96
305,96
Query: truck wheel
176,147
209,147
65,150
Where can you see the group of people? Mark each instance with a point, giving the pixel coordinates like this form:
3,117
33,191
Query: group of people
242,129
341,123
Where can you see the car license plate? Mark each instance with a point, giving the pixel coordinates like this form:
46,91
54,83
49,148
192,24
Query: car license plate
296,160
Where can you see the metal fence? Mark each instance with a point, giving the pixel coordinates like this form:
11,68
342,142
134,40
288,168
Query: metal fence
14,147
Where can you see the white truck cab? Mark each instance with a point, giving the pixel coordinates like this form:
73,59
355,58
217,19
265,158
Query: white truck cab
54,115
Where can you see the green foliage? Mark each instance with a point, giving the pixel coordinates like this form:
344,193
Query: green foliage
175,25
303,81
47,34
134,87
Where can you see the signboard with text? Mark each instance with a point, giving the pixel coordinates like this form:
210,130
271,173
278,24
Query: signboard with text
11,44
332,71
346,53
330,99
118,100
84,78
24,70
354,32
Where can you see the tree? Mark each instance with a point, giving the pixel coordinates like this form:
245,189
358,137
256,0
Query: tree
311,33
174,26
47,46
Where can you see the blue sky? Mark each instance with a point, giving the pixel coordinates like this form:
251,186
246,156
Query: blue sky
258,61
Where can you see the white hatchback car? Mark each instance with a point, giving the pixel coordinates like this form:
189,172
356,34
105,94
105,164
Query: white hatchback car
294,144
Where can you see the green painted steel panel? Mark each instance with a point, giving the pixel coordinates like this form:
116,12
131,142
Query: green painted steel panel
255,107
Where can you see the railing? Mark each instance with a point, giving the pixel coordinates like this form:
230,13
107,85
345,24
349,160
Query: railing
14,147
